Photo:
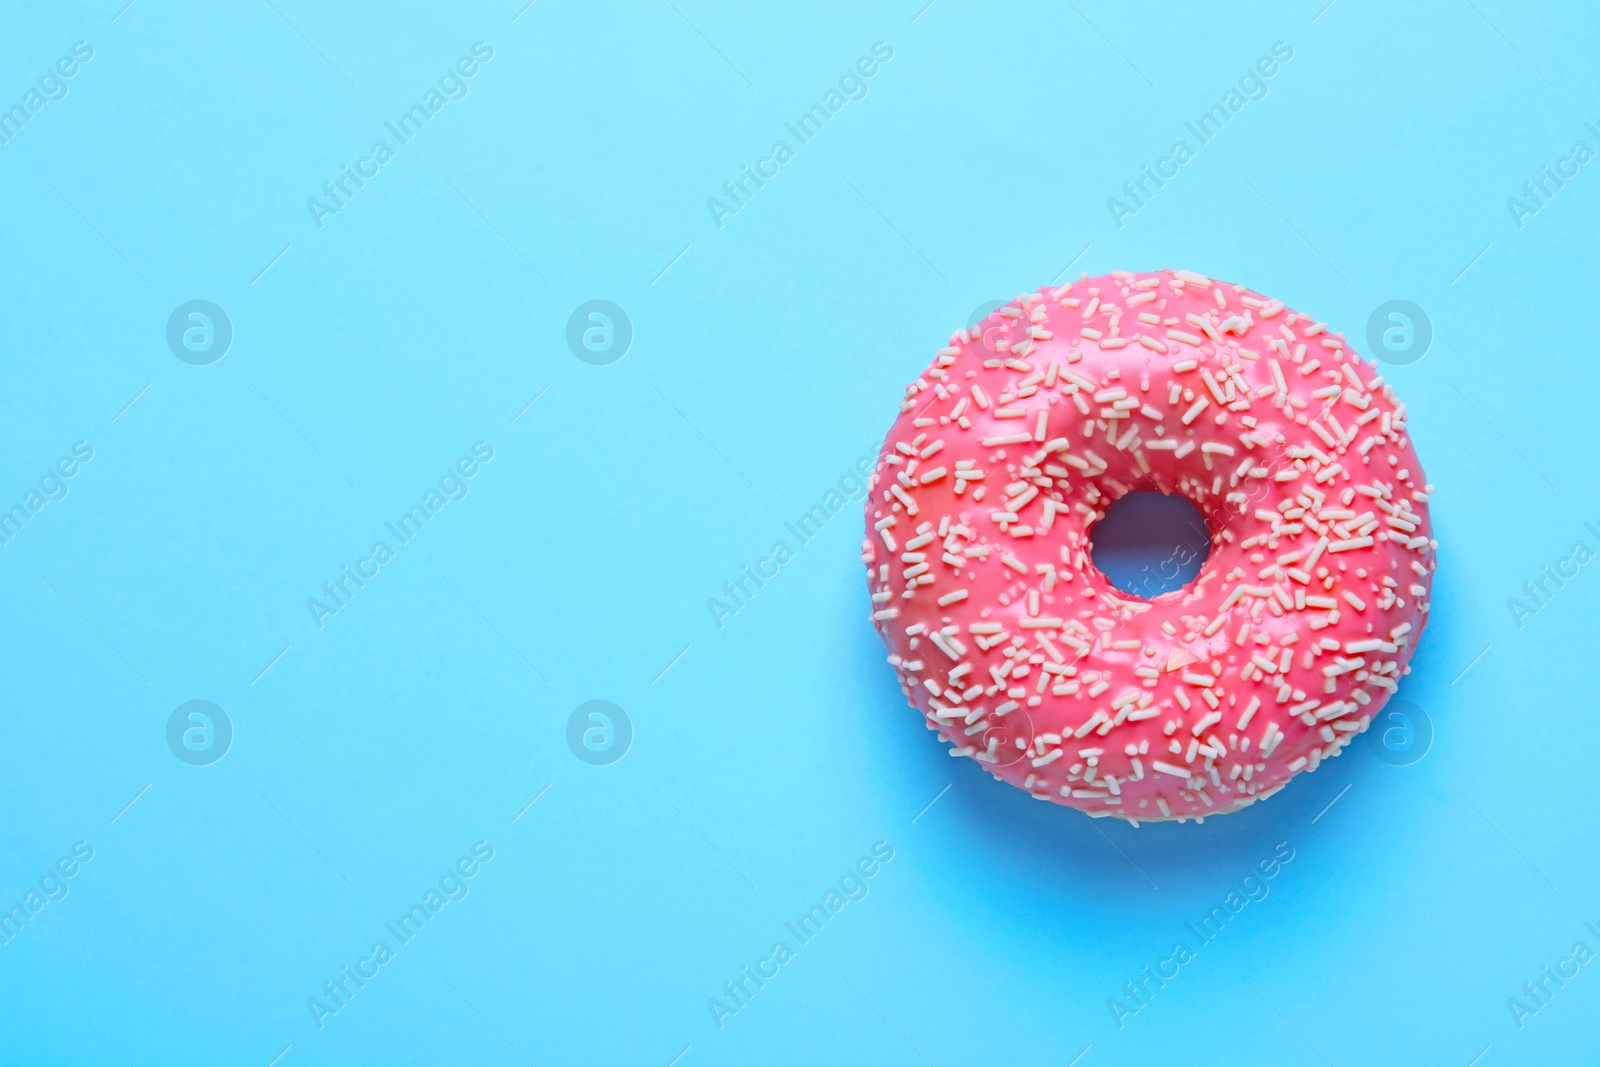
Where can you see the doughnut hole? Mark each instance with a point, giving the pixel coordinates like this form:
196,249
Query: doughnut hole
1150,543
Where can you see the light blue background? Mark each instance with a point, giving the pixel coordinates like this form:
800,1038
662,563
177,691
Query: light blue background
773,752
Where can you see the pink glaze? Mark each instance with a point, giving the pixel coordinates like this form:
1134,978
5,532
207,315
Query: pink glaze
1018,650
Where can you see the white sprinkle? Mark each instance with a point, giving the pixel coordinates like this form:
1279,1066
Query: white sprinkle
1349,543
1094,720
1194,411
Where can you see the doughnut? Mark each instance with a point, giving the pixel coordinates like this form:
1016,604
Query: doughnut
1022,655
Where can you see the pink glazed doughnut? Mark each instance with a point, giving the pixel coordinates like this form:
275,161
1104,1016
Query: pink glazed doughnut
1023,656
